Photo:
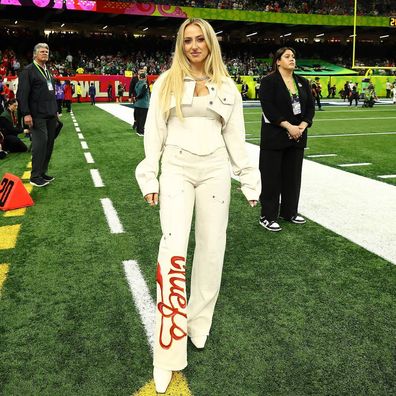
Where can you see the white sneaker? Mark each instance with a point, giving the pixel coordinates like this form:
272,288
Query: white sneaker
270,225
297,219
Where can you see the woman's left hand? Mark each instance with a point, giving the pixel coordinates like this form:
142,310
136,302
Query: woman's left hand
253,203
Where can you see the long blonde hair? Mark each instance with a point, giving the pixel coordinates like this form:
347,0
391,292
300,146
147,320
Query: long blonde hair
173,81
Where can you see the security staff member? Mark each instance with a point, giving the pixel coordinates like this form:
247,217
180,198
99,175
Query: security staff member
288,109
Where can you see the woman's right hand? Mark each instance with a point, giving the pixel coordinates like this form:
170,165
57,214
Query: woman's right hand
151,199
294,131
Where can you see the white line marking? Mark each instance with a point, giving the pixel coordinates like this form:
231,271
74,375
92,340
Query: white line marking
80,136
84,145
336,119
78,129
89,159
340,135
355,164
142,298
331,111
111,216
354,119
75,124
352,134
387,176
321,155
96,178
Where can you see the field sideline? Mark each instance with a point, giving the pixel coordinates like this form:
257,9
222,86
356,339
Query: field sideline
302,312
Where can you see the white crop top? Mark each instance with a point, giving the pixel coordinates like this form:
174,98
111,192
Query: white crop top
200,130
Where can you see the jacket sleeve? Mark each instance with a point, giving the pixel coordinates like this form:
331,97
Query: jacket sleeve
309,106
234,138
24,92
155,132
266,94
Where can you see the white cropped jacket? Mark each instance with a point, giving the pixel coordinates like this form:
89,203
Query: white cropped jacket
227,103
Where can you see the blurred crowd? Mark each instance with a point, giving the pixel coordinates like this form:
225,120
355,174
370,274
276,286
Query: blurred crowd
327,7
74,53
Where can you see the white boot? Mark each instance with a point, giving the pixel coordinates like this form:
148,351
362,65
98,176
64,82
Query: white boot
162,379
199,342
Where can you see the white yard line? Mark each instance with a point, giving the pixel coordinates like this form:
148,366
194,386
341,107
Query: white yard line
124,113
111,216
354,119
84,145
336,119
352,110
78,129
96,178
340,135
387,176
355,164
321,155
80,136
142,298
351,134
88,158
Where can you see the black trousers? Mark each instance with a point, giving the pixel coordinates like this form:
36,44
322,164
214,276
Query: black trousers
317,99
281,181
140,118
60,103
43,136
67,103
13,144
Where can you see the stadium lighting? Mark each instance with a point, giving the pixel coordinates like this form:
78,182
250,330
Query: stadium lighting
251,34
352,35
146,28
16,22
104,27
219,32
62,25
287,34
384,36
320,35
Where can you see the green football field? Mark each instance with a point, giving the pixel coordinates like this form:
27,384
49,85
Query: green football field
301,312
355,135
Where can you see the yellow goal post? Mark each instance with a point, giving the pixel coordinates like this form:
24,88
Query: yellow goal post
354,47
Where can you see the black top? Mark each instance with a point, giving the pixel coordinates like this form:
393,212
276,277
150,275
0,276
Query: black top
34,96
7,126
276,103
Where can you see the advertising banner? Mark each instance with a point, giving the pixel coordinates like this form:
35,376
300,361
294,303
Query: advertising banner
164,10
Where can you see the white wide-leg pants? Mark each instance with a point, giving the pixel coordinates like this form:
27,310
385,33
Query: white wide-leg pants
189,180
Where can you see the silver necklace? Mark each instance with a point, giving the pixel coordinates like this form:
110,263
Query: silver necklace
201,78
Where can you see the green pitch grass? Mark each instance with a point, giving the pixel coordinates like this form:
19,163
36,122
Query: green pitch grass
368,144
302,312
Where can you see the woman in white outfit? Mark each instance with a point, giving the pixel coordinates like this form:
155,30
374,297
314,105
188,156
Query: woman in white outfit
195,126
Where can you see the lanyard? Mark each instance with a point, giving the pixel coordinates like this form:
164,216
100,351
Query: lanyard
295,87
45,74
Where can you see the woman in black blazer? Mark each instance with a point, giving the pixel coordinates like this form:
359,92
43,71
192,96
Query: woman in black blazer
288,109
